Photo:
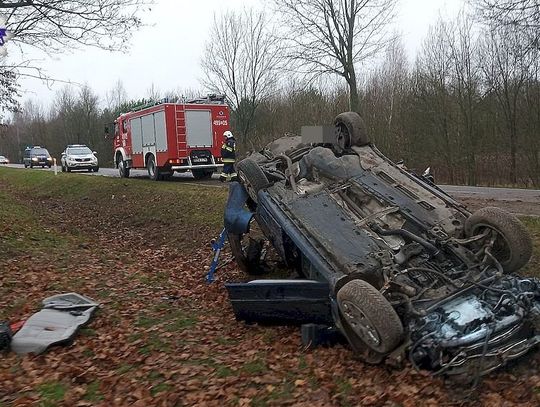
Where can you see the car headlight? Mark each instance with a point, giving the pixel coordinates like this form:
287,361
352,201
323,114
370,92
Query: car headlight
34,159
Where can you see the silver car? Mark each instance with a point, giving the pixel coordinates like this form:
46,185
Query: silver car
79,157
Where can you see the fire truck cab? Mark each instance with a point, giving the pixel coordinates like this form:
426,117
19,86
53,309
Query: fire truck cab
165,137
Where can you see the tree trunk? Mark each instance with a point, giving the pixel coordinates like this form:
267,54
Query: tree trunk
354,100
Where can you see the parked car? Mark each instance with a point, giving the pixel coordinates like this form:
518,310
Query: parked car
79,157
408,271
3,160
37,155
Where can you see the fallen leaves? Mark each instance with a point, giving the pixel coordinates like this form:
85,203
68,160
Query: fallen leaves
164,337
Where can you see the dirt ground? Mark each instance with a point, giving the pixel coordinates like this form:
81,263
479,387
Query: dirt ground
163,336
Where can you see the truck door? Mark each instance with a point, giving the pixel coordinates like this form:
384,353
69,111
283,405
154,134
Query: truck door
199,128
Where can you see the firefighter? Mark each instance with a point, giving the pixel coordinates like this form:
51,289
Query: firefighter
228,156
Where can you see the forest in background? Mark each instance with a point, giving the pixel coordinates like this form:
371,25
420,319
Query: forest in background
468,107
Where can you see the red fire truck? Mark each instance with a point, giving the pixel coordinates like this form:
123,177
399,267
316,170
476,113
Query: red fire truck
166,137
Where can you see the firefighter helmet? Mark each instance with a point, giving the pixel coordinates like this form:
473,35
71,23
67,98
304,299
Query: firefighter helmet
227,134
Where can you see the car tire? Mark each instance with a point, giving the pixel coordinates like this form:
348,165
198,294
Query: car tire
68,169
153,169
513,246
96,169
248,258
25,166
252,177
370,316
31,165
350,130
122,168
63,168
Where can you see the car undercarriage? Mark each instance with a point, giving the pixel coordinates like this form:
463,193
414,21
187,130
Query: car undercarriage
409,271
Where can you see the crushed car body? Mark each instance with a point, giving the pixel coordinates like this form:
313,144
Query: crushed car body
400,268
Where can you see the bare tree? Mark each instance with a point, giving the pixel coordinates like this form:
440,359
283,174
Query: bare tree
465,84
243,59
117,96
9,91
507,68
56,26
521,14
333,36
385,101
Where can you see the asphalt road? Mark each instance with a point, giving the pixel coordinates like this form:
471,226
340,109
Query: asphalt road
459,191
140,174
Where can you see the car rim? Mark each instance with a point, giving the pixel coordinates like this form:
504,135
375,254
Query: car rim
361,324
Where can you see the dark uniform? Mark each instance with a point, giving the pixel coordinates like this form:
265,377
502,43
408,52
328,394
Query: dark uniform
228,157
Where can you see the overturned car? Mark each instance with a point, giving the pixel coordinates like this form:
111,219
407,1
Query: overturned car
385,256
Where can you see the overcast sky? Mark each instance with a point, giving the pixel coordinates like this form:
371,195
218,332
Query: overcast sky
167,52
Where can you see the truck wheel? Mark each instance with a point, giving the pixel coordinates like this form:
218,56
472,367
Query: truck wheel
153,170
201,174
350,130
252,177
370,316
165,176
513,245
122,168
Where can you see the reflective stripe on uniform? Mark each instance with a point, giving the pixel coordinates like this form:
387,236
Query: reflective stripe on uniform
228,160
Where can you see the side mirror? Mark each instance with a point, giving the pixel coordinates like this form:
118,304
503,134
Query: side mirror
64,154
94,152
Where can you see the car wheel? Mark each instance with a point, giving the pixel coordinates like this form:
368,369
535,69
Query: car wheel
252,177
63,168
122,169
350,130
25,166
68,169
370,316
152,168
31,165
96,169
90,170
512,246
247,251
